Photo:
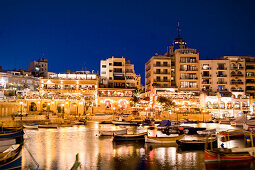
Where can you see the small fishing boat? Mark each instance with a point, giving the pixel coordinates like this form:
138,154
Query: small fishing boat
207,132
30,126
170,139
106,122
192,130
11,157
220,154
10,137
48,126
125,123
227,154
130,137
196,143
232,133
112,132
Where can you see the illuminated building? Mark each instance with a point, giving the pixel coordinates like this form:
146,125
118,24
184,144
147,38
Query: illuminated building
39,68
118,73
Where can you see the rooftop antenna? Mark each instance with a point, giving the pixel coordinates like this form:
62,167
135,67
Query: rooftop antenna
178,30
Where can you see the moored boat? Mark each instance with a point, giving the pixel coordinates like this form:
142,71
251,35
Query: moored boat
48,126
232,133
170,139
196,143
125,123
112,132
207,132
11,157
220,154
129,137
30,126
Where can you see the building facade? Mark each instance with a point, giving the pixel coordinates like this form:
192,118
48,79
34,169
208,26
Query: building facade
39,68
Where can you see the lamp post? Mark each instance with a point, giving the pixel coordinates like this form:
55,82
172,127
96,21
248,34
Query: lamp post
48,110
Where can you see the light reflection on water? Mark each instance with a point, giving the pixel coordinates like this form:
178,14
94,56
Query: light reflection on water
56,149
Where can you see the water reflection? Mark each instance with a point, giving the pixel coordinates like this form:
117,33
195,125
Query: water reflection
56,149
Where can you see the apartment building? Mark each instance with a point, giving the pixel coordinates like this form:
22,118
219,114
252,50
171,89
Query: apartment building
250,76
187,69
118,73
157,73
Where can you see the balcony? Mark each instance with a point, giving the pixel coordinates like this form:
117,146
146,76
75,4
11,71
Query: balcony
206,82
189,69
206,75
250,82
236,90
188,78
161,72
221,75
161,65
157,80
221,68
237,75
236,82
221,82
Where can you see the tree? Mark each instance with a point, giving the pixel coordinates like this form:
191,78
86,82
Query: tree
166,103
88,104
134,100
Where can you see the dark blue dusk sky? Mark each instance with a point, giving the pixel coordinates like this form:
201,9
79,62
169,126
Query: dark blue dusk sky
74,33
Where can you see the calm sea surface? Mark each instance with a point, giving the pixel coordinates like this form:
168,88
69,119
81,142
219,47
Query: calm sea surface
56,149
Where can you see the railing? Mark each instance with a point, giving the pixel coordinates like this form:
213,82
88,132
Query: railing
237,75
161,72
161,65
221,75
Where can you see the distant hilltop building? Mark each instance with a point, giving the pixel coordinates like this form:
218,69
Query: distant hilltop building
118,73
39,68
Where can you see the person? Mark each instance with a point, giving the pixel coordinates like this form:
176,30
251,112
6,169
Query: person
222,145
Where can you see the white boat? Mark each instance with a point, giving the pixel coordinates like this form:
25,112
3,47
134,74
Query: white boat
31,126
111,132
206,132
249,125
5,144
125,123
170,139
48,126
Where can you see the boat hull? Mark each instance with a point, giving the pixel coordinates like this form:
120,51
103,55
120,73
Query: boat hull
125,123
111,132
211,156
194,144
139,137
163,139
48,126
30,126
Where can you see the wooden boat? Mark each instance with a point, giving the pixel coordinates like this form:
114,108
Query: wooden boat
171,139
207,132
125,123
11,157
106,122
197,143
224,122
8,138
111,132
232,133
30,126
129,137
220,154
48,126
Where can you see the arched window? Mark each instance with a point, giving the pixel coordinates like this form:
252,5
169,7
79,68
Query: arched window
233,73
233,65
239,73
240,65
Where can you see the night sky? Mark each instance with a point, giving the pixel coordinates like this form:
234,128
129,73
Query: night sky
78,34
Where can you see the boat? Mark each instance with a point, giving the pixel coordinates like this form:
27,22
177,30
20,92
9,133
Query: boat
238,121
11,157
170,139
48,126
224,122
111,132
232,133
249,124
164,124
206,132
228,154
129,137
220,154
125,123
30,126
196,143
10,137
192,130
106,122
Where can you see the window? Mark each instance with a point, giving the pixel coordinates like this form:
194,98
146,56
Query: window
110,70
110,64
110,78
157,63
157,71
103,72
158,78
164,63
103,66
165,78
165,71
